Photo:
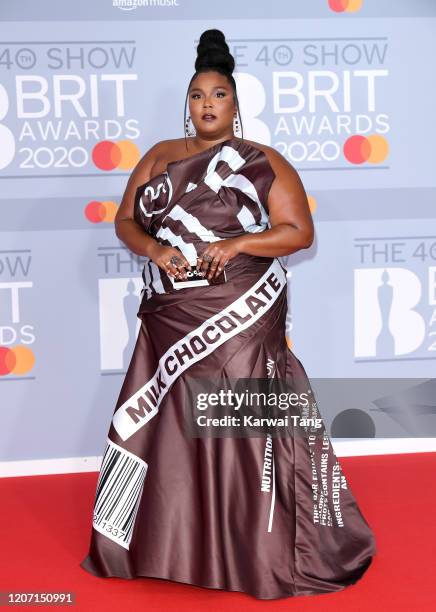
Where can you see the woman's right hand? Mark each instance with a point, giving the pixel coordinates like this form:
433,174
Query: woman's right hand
161,255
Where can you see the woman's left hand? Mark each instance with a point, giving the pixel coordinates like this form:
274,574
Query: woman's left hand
221,252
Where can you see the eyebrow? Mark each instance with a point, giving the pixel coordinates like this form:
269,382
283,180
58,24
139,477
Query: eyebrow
199,88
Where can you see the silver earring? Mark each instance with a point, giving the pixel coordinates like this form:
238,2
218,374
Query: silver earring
189,132
236,127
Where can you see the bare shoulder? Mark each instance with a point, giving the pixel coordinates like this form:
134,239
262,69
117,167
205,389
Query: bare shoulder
148,165
178,148
148,159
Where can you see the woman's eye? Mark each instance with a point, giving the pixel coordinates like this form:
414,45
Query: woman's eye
220,93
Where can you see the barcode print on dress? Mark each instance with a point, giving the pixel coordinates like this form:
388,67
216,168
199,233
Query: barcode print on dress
118,493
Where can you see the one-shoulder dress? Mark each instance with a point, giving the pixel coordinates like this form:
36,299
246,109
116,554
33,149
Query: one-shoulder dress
269,515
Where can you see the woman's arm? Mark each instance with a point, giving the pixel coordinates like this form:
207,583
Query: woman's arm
126,228
289,214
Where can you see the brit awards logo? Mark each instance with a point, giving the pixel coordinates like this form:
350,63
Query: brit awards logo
395,298
322,103
65,109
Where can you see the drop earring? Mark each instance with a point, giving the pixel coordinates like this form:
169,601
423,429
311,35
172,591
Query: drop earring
236,127
189,132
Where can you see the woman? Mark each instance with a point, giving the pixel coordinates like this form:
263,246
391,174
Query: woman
270,515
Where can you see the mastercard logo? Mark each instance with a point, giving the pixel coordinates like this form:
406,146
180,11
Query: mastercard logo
312,203
120,155
373,149
97,212
16,360
345,6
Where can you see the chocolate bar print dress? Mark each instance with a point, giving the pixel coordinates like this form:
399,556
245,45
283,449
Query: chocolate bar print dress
271,516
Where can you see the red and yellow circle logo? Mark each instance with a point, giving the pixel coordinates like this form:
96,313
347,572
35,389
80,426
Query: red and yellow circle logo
313,204
345,6
16,360
373,149
122,155
96,212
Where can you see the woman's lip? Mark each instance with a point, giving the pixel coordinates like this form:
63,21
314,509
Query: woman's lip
208,116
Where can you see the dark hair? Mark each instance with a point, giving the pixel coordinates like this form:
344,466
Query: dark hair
213,54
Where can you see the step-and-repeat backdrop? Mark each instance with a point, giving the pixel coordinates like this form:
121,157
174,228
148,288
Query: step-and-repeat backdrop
344,89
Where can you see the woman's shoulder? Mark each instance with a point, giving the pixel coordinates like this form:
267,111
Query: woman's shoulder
156,150
169,148
154,159
165,151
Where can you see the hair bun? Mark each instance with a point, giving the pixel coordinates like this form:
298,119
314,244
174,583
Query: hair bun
213,52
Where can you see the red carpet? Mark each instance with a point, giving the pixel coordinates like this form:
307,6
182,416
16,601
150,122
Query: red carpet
45,529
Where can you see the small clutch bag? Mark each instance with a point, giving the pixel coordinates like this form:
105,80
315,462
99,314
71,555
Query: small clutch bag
196,278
